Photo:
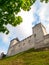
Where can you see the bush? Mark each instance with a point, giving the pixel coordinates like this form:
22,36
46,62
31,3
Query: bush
2,55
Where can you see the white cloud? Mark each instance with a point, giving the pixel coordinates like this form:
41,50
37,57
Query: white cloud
2,50
25,28
47,28
44,12
4,37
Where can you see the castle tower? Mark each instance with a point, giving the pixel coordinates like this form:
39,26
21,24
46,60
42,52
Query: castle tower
14,41
11,47
39,31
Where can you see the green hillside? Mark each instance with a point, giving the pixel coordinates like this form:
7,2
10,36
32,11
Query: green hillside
29,57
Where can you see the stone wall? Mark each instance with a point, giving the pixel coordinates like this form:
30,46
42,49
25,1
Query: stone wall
43,43
46,40
38,39
21,46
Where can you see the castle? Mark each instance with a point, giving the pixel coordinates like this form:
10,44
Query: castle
38,39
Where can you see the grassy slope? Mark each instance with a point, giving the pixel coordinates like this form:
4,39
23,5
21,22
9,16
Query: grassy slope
27,58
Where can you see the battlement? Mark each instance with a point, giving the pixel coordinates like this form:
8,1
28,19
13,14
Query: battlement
14,41
40,27
39,24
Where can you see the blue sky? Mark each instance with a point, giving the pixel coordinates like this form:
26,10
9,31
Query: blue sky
39,13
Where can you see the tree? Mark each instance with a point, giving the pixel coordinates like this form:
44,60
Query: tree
2,55
46,1
10,8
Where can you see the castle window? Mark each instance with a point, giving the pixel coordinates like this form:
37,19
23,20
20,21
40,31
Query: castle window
23,44
19,45
29,41
34,35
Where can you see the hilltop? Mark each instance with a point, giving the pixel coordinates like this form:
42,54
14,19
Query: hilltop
28,57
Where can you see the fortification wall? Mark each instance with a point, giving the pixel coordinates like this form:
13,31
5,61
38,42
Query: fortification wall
43,43
39,39
46,40
22,46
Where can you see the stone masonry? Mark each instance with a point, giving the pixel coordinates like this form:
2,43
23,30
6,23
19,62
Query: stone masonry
38,39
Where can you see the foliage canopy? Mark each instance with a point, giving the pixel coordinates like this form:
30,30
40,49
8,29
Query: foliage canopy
10,8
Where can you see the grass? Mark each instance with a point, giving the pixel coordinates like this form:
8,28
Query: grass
29,57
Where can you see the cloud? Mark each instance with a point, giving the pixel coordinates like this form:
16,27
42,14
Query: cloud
2,50
43,13
21,31
25,28
5,38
